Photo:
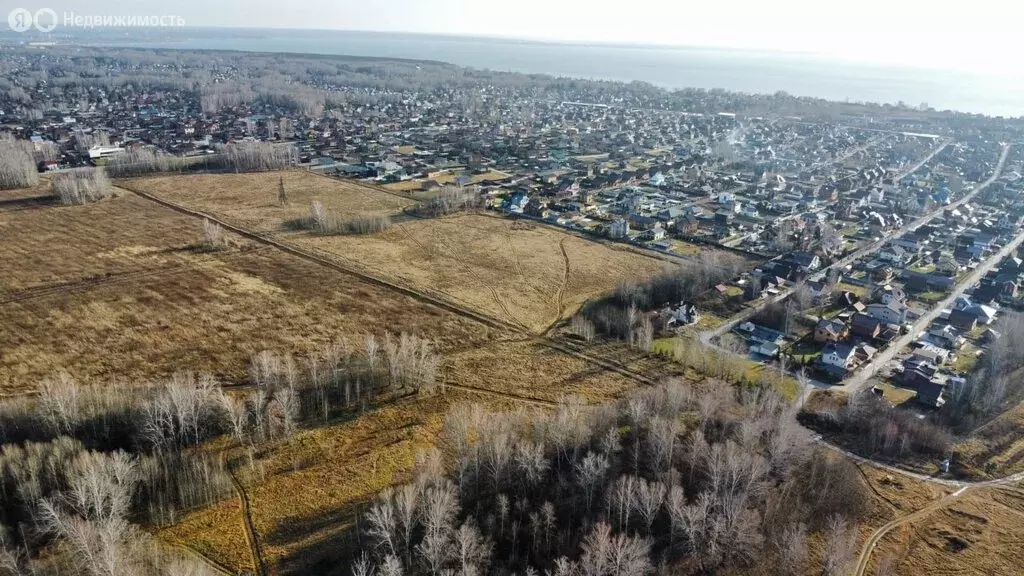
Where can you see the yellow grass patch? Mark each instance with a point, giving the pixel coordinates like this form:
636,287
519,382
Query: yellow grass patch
250,200
484,263
520,275
980,533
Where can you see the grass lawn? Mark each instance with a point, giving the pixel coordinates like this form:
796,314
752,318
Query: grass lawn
930,297
804,351
923,268
686,248
896,394
966,359
858,290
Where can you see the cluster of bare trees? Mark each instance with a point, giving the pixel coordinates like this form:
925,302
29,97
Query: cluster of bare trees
994,380
84,141
323,221
367,225
612,315
685,480
583,328
451,198
82,504
81,465
641,329
869,425
258,156
782,315
17,164
141,161
81,186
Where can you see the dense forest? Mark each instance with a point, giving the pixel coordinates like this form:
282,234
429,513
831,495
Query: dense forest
674,479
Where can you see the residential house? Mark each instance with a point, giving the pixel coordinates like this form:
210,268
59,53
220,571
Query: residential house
830,330
809,261
865,326
655,234
962,320
985,314
891,313
943,337
864,353
619,229
895,255
683,315
839,355
930,394
517,203
892,294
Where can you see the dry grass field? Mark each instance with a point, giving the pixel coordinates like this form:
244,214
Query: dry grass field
250,200
995,449
305,491
531,277
119,289
124,278
981,533
528,275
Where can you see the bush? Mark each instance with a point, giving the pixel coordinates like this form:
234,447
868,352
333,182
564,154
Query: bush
324,222
213,236
81,186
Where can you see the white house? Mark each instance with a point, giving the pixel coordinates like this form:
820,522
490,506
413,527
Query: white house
894,255
683,314
838,354
619,228
893,294
891,313
104,151
655,234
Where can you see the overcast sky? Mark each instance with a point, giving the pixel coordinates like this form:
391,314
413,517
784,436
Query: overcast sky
965,34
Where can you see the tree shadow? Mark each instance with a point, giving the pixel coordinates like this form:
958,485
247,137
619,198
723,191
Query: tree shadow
330,540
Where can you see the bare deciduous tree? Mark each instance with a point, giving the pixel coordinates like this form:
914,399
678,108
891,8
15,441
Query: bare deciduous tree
840,541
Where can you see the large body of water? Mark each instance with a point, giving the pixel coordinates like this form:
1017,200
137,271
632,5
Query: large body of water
744,71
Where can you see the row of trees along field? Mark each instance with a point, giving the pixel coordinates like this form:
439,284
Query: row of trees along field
246,156
83,468
672,480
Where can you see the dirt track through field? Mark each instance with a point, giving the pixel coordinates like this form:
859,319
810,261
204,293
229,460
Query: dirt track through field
876,537
306,255
250,529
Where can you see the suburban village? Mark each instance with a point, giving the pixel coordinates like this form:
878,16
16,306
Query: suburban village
800,196
350,315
